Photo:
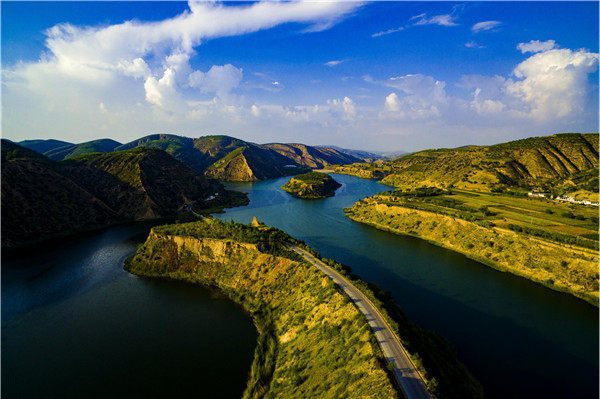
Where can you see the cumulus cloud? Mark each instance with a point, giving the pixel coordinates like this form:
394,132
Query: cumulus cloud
553,83
535,46
549,85
219,79
422,97
159,52
485,25
345,108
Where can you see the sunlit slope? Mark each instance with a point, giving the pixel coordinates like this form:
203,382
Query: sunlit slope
563,161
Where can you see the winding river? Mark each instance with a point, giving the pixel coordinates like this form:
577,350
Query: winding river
519,339
74,324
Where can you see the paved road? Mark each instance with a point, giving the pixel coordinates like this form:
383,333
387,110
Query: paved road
410,381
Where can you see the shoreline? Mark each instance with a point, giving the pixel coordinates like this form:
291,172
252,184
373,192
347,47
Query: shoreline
484,261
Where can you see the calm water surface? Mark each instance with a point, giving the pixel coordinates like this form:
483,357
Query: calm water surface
75,325
520,339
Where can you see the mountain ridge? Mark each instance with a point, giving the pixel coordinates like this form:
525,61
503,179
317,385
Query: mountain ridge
215,156
42,198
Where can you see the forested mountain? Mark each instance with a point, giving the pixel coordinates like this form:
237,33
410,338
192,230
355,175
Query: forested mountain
42,197
221,157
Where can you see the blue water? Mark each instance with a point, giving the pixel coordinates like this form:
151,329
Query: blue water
519,339
76,325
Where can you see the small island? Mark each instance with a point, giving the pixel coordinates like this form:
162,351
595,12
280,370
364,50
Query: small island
311,185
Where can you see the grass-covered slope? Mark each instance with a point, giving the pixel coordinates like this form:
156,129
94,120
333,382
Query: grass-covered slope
313,342
547,163
311,185
181,148
551,243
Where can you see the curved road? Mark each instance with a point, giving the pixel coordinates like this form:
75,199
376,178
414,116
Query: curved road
408,378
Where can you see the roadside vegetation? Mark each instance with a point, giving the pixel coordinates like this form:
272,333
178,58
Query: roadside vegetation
313,342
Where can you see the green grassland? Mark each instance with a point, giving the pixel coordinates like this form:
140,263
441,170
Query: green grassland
546,241
313,342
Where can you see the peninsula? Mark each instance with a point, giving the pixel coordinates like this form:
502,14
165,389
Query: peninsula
313,340
311,185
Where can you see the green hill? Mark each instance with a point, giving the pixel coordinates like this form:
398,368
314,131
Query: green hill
311,185
76,150
228,158
43,198
220,157
60,150
43,146
40,200
559,163
139,184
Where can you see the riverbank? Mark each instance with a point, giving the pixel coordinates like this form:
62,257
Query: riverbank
561,267
313,341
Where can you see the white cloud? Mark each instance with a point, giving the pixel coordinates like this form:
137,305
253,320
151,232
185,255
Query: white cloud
387,32
442,20
219,79
553,83
472,44
333,63
136,68
344,108
96,54
535,46
392,103
485,25
424,97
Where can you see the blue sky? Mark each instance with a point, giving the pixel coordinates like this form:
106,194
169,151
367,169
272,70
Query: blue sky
372,75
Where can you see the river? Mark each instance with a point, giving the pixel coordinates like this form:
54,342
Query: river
74,324
519,339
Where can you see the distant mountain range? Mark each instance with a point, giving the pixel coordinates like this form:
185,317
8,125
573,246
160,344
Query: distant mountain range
221,157
43,198
369,156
